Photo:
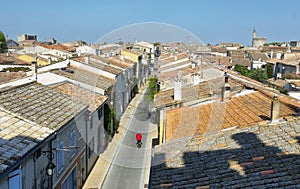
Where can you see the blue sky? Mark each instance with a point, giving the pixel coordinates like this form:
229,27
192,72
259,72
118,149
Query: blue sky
212,21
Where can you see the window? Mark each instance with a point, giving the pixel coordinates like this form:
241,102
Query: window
15,179
100,113
99,140
71,180
91,147
72,143
60,156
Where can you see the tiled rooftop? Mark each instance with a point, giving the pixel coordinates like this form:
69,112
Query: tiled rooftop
60,48
85,77
164,76
250,157
258,55
119,63
28,114
191,92
88,97
114,61
6,77
40,104
11,59
240,111
172,58
179,64
105,67
241,61
17,137
202,91
219,49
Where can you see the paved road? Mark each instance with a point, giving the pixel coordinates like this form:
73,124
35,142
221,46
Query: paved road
128,168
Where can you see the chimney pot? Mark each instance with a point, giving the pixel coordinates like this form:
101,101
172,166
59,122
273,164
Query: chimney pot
34,69
275,108
177,89
87,59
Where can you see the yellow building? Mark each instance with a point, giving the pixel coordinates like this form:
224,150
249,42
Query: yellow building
30,58
133,56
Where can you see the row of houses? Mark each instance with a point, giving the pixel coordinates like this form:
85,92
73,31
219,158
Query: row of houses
221,130
57,119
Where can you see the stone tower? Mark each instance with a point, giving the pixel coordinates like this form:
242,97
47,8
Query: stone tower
257,41
254,33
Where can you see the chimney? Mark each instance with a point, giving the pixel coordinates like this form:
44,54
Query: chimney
124,46
49,60
271,55
87,59
34,70
122,57
278,55
196,79
177,89
175,58
225,88
275,108
193,64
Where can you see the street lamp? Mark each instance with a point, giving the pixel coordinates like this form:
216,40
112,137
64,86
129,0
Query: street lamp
50,168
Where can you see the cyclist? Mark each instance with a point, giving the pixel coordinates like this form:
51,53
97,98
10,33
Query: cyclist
138,138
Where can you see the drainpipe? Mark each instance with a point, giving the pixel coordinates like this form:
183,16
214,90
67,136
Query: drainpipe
87,147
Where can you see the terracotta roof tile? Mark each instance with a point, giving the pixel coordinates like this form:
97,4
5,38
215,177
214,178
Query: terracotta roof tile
251,157
6,77
88,97
240,111
85,77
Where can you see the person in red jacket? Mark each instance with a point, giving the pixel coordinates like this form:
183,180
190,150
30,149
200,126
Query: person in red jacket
138,138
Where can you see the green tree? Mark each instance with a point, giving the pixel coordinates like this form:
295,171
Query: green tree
110,120
270,71
2,41
243,70
259,74
16,69
156,44
152,89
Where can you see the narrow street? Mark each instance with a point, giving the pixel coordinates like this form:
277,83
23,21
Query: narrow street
129,163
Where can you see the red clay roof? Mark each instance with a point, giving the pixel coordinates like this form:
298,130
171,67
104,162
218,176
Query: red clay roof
241,111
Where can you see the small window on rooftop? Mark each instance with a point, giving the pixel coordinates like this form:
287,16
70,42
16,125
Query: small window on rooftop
72,143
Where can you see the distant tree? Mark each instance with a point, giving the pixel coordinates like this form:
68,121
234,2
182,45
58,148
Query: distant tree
156,44
283,91
152,89
270,71
241,69
16,69
259,74
2,41
276,44
83,43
